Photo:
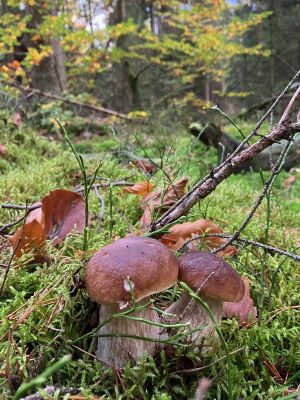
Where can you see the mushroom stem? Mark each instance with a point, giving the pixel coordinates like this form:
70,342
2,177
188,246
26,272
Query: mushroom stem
118,350
187,310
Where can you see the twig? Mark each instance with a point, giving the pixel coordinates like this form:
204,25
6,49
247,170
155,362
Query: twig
188,371
212,180
268,183
21,207
246,241
290,107
74,102
3,228
208,184
105,185
102,204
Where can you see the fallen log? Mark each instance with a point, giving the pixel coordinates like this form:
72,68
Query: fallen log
213,136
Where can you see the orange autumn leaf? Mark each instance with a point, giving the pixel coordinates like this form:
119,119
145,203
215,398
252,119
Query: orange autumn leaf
31,236
61,212
180,233
144,165
36,214
244,310
160,201
141,188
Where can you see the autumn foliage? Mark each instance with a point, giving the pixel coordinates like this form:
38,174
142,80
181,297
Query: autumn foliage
58,213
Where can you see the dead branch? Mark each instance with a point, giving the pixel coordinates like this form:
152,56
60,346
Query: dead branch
217,175
275,170
285,116
235,160
74,102
271,249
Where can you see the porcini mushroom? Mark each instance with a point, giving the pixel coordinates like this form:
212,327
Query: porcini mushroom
137,266
214,281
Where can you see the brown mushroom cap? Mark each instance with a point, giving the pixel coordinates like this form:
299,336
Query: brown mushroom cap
149,266
220,281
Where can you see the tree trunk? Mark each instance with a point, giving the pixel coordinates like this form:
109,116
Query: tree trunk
50,75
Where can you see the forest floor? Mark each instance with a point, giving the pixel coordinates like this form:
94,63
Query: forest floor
43,313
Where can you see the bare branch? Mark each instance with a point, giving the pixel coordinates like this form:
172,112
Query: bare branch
74,102
290,107
247,242
217,175
275,170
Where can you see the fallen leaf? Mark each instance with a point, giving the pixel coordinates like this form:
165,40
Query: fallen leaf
141,188
180,233
244,310
31,236
144,165
287,183
63,211
36,214
160,201
2,150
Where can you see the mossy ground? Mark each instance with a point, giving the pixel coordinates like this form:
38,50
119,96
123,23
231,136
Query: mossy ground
43,312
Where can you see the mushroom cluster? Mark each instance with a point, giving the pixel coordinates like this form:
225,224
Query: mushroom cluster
130,270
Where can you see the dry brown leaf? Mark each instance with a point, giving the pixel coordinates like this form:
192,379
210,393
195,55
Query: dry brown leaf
141,188
179,233
287,183
2,150
144,165
36,214
244,310
63,211
161,201
31,236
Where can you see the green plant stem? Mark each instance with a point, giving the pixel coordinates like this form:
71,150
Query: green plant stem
86,186
42,378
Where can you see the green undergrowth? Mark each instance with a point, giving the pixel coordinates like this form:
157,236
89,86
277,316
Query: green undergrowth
44,310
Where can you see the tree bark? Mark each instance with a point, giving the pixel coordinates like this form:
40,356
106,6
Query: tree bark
50,75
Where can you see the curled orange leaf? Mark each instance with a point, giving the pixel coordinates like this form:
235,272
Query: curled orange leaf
141,188
161,200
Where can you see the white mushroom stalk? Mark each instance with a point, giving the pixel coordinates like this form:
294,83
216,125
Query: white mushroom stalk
131,267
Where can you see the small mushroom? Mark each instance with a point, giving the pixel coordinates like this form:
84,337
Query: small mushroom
133,266
214,281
